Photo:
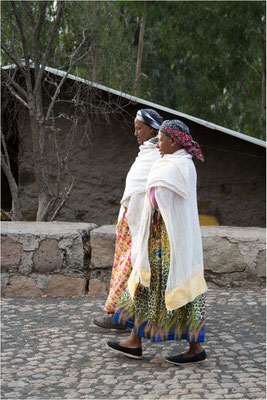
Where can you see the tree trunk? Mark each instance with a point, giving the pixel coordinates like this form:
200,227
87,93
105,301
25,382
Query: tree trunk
263,88
94,48
31,97
16,206
140,51
40,175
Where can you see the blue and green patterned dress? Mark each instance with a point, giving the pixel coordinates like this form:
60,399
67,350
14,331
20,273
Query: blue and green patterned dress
146,313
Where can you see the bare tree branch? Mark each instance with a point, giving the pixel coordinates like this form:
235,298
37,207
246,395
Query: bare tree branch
36,36
5,156
58,159
12,91
49,45
15,84
43,214
23,38
63,201
52,103
38,27
5,164
86,106
29,12
14,60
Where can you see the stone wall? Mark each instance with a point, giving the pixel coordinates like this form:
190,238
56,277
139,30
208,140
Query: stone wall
74,259
233,256
42,258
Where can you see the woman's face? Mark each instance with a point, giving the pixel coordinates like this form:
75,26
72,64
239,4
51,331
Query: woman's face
167,145
164,144
142,131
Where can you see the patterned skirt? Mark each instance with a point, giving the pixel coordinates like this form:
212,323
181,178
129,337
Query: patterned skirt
146,313
122,266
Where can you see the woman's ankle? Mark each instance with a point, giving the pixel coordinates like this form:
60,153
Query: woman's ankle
132,341
195,347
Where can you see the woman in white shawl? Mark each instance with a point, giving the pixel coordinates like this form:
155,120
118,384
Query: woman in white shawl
146,124
165,299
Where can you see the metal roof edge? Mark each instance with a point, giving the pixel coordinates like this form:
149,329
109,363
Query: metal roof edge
134,99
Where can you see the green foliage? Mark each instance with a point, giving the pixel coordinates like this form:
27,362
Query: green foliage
208,61
204,58
9,31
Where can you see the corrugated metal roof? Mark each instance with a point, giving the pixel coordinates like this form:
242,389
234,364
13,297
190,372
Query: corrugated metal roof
134,99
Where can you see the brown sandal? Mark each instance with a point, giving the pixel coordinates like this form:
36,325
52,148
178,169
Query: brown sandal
107,322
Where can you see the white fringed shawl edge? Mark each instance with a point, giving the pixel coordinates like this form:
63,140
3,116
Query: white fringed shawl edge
174,177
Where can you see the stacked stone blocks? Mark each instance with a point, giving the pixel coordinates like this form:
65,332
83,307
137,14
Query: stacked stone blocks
41,258
74,259
233,256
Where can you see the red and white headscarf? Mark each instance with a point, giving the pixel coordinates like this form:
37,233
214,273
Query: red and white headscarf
180,131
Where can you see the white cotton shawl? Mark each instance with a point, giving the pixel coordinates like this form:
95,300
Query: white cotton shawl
135,189
174,177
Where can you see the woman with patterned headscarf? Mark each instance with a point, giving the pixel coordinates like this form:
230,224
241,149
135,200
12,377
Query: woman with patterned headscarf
165,299
146,124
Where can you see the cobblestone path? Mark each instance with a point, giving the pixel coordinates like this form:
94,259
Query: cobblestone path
52,350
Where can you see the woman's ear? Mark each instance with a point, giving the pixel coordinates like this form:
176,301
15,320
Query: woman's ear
153,131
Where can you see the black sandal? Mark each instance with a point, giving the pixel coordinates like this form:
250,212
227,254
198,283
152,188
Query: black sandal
127,351
180,359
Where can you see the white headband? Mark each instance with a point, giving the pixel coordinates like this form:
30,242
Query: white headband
146,118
